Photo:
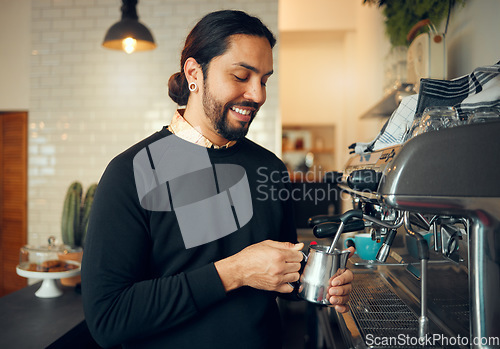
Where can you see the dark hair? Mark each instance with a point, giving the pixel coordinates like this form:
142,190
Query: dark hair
210,38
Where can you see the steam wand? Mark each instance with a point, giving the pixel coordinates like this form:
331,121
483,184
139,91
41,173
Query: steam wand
344,219
336,238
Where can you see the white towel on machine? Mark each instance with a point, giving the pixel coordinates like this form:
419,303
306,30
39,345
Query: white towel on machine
479,89
394,129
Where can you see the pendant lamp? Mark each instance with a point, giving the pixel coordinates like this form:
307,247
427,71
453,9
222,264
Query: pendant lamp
129,34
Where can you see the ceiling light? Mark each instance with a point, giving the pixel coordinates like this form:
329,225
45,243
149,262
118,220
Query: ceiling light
129,34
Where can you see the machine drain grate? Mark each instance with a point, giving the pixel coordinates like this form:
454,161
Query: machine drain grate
384,320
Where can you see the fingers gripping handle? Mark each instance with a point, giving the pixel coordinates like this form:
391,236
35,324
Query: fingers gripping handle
295,285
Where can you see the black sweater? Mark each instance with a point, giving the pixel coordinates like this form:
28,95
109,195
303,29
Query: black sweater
142,288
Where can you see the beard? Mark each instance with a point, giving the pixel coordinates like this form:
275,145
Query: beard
217,112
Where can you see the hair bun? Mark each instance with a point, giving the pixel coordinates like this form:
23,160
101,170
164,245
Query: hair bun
178,88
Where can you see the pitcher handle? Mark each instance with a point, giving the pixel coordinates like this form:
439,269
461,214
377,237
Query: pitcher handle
344,256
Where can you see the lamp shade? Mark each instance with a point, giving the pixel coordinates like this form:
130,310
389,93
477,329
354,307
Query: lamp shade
129,34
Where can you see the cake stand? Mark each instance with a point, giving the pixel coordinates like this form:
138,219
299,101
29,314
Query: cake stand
49,288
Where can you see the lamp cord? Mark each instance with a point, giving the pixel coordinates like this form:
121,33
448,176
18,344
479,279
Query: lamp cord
129,9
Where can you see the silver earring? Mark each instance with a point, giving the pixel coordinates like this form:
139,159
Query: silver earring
192,86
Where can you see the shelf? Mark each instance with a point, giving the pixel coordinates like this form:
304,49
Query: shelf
389,103
308,147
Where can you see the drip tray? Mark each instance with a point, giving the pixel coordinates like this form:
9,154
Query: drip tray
383,319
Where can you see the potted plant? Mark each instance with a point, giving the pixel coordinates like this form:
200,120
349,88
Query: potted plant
401,16
74,222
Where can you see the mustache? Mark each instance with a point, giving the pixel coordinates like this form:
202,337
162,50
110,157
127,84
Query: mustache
245,104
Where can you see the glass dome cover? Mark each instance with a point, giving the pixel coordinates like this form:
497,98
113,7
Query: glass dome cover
45,258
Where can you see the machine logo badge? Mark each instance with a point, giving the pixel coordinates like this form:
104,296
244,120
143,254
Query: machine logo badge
388,155
210,200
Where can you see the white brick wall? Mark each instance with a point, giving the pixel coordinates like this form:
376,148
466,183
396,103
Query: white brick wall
88,104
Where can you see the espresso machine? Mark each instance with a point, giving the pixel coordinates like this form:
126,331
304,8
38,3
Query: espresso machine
434,202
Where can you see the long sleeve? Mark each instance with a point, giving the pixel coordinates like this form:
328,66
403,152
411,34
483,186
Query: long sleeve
143,287
125,295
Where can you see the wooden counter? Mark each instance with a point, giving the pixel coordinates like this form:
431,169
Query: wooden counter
27,321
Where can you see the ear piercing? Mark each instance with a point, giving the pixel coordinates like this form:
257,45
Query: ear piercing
192,86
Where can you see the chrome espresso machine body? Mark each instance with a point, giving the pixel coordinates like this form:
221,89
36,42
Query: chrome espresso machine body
442,291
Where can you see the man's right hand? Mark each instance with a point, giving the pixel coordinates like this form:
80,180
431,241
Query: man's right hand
268,265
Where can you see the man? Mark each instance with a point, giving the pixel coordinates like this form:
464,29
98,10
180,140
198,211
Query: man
181,250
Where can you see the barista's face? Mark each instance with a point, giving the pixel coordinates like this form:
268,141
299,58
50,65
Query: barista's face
235,85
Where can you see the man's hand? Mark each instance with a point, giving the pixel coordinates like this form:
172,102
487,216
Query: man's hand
341,287
268,265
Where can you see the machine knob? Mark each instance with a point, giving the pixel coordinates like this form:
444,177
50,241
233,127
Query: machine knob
364,180
322,218
345,217
329,229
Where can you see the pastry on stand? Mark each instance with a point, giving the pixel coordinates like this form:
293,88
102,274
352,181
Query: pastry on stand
42,262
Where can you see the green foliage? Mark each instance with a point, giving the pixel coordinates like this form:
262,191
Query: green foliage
401,15
76,213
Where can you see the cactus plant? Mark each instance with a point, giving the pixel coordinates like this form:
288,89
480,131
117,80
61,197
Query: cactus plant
76,213
85,211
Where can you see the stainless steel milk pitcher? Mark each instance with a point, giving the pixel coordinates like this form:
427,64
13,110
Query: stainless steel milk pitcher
320,266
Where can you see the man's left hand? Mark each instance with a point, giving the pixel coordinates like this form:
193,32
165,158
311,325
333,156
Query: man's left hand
340,288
